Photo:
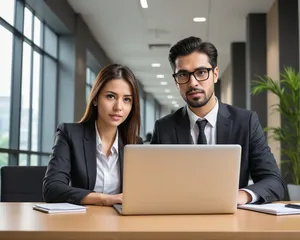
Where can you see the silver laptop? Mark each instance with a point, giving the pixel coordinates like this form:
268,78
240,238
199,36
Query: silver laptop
180,179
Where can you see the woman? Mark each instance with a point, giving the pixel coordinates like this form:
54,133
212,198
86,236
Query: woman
87,161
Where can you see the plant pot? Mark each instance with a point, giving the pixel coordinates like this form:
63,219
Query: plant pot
294,192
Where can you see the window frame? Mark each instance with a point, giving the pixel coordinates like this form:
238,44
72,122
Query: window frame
13,149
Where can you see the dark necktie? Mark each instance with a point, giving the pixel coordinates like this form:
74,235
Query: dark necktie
201,137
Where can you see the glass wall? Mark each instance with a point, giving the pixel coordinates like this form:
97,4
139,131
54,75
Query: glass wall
28,66
7,11
90,78
5,89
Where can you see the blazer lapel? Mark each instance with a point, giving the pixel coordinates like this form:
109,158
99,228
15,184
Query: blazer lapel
223,125
90,153
183,128
121,159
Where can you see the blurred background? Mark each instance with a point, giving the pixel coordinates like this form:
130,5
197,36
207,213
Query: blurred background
52,50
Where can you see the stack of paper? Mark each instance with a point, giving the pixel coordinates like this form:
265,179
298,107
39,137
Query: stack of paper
271,208
59,208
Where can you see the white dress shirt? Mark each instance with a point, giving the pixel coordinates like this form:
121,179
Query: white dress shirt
210,129
108,169
210,132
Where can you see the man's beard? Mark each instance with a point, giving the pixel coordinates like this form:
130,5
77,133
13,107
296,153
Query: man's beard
195,102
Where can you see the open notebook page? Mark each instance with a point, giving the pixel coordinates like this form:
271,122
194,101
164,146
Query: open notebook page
270,208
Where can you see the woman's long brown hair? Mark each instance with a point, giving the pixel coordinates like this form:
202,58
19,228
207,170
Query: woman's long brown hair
130,128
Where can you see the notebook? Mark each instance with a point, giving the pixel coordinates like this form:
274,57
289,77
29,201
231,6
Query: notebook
271,208
59,208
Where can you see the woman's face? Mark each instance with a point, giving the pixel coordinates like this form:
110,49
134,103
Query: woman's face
114,102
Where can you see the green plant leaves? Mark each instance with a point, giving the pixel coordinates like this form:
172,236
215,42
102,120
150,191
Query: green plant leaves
287,89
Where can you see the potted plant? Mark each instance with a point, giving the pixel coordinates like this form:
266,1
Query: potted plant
288,92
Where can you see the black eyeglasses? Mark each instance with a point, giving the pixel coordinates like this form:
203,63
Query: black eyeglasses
200,74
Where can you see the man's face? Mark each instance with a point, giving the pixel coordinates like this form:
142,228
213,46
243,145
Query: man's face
196,93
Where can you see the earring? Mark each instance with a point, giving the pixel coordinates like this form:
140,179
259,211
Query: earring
95,104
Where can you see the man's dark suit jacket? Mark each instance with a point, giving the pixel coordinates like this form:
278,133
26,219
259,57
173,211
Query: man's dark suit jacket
234,126
72,169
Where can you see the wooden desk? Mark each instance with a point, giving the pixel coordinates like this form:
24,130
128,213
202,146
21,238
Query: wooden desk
19,221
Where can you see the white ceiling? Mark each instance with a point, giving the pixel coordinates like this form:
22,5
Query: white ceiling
124,30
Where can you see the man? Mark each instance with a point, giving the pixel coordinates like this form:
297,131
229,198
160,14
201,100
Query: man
205,120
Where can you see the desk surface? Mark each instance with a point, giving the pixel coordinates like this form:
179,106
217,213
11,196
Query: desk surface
20,221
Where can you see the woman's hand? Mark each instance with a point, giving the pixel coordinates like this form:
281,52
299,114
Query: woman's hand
102,199
109,200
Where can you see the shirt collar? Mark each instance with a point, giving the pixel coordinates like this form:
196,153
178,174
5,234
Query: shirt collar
115,145
211,117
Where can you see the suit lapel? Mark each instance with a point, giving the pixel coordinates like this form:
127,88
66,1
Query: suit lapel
183,128
224,123
90,153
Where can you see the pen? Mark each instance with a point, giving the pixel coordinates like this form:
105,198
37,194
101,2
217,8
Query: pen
296,206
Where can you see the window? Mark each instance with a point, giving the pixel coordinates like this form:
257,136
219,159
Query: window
37,36
50,42
28,159
33,80
142,130
23,159
90,78
35,101
25,97
149,113
34,160
48,104
7,9
3,159
32,88
5,90
27,29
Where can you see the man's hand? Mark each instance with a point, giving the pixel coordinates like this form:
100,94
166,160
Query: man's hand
244,197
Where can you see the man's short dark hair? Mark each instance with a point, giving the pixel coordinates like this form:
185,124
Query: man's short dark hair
193,44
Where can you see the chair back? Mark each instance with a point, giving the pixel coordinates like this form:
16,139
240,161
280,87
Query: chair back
22,183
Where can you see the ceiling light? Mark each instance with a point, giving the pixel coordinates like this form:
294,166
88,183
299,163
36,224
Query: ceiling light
144,3
155,64
160,76
167,90
169,96
163,83
199,19
176,105
174,102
